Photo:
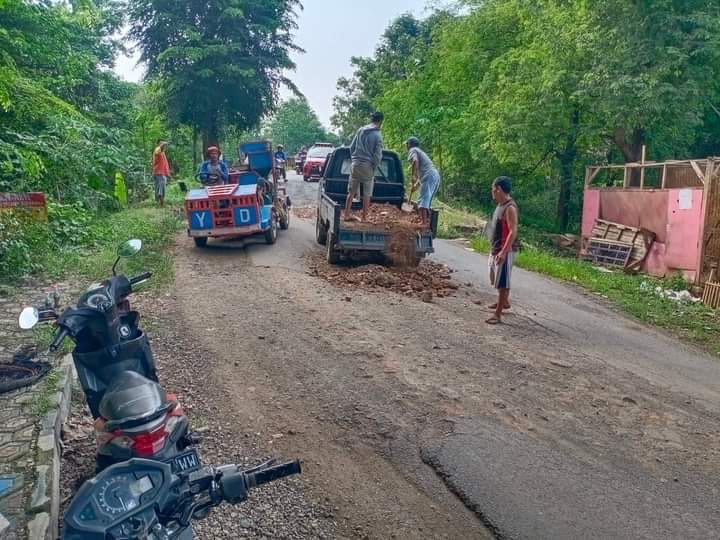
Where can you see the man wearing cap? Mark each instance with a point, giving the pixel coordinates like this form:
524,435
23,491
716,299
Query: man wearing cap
281,159
366,151
213,171
161,171
503,234
425,175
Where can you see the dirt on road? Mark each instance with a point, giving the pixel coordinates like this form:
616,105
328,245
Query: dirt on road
430,280
359,388
268,354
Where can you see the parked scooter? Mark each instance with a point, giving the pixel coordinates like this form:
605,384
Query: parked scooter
134,417
144,499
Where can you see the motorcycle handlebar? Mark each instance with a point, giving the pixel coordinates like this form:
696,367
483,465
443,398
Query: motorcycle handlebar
55,345
235,486
140,278
271,474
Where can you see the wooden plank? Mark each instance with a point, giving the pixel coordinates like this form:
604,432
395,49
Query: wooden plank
708,188
642,171
664,176
698,171
592,173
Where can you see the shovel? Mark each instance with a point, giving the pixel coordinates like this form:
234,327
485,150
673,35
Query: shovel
407,206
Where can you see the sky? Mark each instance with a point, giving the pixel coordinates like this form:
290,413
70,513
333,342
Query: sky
330,32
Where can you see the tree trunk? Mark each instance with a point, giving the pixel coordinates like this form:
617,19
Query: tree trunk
567,158
210,135
631,150
194,149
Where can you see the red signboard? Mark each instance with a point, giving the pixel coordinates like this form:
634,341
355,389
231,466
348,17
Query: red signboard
34,202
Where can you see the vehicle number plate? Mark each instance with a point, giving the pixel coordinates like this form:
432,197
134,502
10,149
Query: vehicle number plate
186,462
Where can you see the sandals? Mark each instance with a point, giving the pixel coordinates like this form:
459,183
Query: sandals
493,320
494,306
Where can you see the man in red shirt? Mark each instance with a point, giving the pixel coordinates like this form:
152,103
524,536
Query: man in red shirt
161,171
503,237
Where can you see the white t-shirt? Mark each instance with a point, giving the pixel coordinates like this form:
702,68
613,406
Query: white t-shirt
425,165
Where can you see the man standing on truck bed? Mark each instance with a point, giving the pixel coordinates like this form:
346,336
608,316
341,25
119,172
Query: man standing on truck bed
366,154
503,237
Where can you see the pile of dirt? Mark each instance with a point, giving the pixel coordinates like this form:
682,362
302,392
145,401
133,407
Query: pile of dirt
387,215
401,245
305,212
428,280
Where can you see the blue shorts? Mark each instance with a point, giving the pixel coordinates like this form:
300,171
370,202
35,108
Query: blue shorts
428,188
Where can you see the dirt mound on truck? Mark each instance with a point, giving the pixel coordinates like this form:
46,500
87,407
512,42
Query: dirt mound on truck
386,215
428,280
401,245
403,227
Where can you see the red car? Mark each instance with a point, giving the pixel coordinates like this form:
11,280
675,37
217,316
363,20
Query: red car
315,161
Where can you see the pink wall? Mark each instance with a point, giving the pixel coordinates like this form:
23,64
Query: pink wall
591,210
683,230
678,229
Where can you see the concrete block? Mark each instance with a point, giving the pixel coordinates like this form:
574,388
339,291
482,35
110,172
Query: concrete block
42,492
39,527
4,526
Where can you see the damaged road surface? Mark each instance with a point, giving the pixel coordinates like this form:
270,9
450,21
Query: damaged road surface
416,420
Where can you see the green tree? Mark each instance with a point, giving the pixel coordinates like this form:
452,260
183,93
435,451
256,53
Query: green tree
295,125
401,52
538,89
217,63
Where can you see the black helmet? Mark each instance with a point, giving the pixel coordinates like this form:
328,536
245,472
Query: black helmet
412,142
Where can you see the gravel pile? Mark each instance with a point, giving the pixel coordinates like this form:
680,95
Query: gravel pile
428,280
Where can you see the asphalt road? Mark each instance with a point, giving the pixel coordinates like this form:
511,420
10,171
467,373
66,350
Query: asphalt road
419,421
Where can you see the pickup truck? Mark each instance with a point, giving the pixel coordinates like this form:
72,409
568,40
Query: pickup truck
342,238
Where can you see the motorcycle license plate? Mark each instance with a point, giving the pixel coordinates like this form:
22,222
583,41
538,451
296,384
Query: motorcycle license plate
186,462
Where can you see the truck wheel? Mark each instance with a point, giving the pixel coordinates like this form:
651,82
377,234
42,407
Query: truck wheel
200,241
333,255
272,232
285,222
320,232
305,178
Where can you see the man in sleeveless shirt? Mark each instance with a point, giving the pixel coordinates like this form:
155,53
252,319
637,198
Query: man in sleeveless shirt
503,237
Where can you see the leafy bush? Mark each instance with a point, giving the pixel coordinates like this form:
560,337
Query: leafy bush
69,224
22,242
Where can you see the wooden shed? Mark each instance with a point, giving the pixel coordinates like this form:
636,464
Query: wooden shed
675,203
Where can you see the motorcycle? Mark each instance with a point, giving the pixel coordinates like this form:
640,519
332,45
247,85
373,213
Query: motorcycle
280,168
145,499
134,417
300,162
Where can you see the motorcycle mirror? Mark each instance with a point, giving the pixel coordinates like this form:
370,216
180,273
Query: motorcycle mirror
129,248
29,317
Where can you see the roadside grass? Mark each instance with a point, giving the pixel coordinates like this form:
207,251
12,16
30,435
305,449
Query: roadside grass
43,399
458,222
154,226
635,294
